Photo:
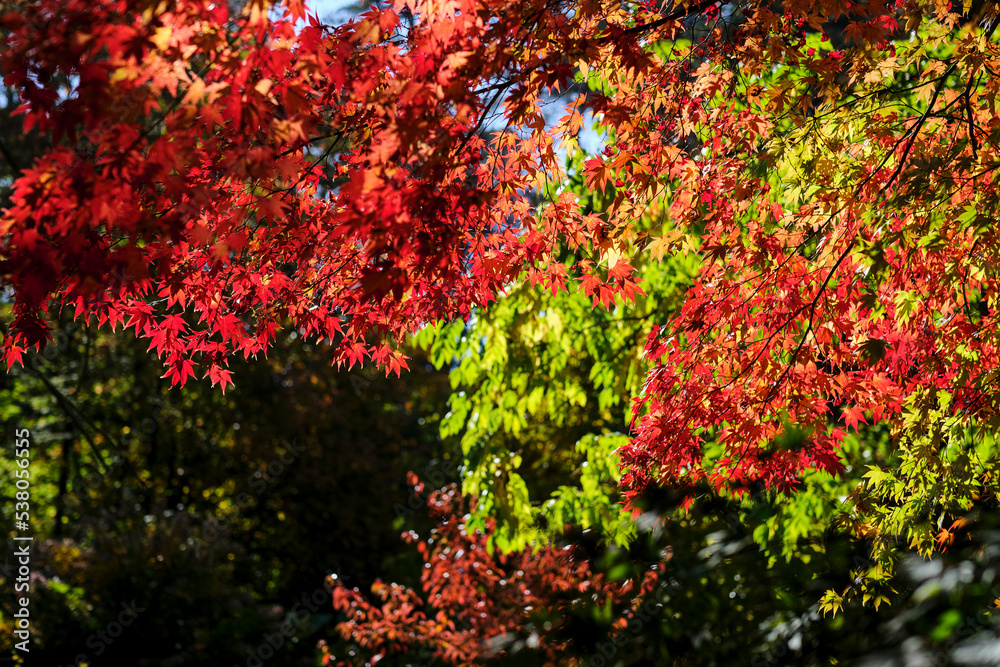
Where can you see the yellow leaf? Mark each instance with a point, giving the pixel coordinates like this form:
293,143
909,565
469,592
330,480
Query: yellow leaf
121,74
660,245
613,255
372,181
263,86
162,37
457,59
195,92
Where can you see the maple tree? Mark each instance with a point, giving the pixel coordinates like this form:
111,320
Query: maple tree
477,595
181,197
252,175
213,177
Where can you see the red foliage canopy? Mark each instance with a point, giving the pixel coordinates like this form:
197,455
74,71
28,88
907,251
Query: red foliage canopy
185,196
213,178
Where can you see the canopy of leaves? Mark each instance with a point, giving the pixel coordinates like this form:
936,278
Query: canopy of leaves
788,246
213,177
